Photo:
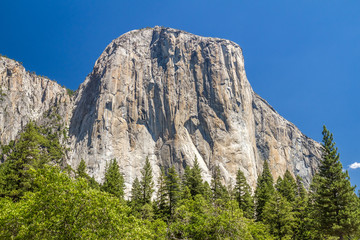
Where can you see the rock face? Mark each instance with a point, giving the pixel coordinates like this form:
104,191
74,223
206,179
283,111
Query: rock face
174,96
24,96
167,95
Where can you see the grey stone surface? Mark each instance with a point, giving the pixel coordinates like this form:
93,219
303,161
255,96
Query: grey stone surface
171,96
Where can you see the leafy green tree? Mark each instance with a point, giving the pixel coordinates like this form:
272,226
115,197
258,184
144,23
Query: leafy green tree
114,180
146,182
334,200
264,191
243,195
198,219
173,188
287,187
277,213
61,208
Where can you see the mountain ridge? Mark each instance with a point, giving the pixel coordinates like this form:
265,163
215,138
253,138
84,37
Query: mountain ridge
174,96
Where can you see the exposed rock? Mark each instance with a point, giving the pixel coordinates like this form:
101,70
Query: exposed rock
26,96
174,96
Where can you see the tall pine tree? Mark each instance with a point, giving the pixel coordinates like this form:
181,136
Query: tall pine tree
146,182
218,189
162,196
243,195
287,186
334,200
173,188
114,180
193,180
264,191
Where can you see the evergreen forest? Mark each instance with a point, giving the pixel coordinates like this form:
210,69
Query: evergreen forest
43,198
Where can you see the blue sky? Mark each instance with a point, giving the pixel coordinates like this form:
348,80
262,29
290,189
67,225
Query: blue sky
301,56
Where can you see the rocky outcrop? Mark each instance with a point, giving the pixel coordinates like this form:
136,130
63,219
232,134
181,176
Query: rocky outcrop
174,96
24,96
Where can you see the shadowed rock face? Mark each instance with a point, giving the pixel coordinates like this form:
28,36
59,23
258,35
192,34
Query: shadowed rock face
174,96
168,95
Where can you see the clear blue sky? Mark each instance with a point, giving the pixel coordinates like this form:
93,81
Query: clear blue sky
302,56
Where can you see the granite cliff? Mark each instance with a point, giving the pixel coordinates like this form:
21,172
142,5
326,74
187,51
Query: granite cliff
167,95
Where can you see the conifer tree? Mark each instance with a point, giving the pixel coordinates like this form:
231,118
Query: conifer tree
173,188
264,191
136,192
301,212
277,213
146,183
81,173
218,189
32,150
243,195
81,170
207,192
162,200
193,180
287,187
114,180
336,211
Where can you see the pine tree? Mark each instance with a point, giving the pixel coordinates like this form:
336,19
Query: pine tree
302,225
287,187
114,180
264,191
81,170
136,194
173,188
31,151
243,195
207,192
336,211
193,180
146,183
277,213
218,189
162,200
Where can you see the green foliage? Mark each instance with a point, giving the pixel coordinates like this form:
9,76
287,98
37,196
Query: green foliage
218,189
114,180
192,179
335,205
35,148
162,200
62,208
198,219
146,183
287,187
243,195
264,191
173,189
136,194
70,92
277,213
